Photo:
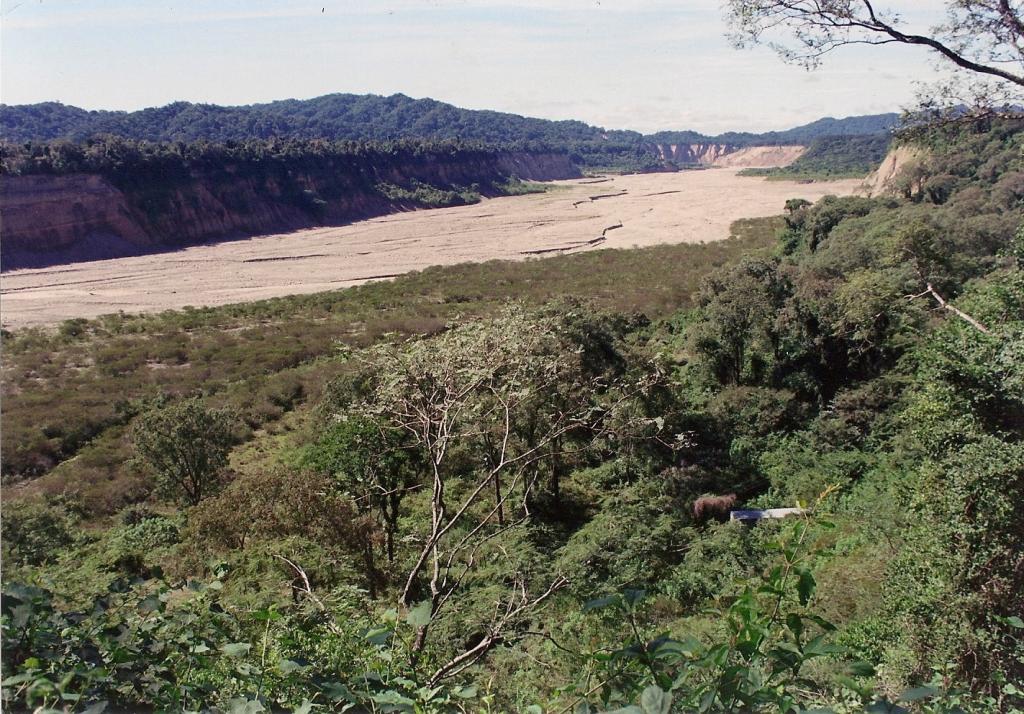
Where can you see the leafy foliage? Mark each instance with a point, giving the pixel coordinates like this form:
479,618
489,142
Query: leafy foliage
833,157
186,445
526,460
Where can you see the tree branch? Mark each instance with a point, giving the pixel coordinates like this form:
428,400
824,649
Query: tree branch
929,290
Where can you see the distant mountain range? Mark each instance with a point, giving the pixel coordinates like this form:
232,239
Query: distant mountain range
371,117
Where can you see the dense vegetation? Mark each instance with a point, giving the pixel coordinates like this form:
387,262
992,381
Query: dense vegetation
436,501
340,117
366,117
833,157
148,165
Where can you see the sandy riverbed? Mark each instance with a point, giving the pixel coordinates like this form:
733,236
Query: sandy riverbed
684,207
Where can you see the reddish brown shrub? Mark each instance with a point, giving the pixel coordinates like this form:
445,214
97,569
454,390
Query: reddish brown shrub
717,507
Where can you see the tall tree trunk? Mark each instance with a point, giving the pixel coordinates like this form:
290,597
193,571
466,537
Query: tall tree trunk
497,499
556,467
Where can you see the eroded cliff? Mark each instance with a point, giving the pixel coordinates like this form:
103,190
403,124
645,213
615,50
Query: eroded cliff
729,155
900,159
51,219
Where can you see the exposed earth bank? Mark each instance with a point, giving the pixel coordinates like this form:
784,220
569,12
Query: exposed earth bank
577,215
53,220
881,180
729,155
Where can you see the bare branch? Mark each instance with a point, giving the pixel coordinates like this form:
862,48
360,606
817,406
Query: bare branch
307,591
496,633
929,290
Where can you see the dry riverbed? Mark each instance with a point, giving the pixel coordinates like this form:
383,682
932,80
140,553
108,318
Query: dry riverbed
620,212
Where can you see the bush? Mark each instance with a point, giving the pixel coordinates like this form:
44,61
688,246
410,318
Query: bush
187,446
35,532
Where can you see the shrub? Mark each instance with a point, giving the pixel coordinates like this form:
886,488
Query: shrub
35,532
187,446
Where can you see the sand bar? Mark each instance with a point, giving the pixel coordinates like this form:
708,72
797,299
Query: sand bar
623,212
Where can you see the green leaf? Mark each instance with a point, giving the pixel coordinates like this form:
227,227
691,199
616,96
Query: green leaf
305,708
20,615
236,649
655,701
818,648
805,586
1014,621
862,669
464,692
420,615
379,636
150,604
287,666
425,695
18,679
267,615
395,700
600,603
633,596
240,705
338,692
821,622
918,693
796,624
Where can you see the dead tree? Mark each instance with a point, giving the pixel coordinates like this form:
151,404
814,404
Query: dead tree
512,389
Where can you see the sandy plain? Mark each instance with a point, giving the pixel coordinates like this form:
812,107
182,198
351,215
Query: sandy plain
617,212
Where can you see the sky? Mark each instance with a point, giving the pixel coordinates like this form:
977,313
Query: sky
646,65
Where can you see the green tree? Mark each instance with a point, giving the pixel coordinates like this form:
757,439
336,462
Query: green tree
735,332
371,462
508,391
35,531
186,445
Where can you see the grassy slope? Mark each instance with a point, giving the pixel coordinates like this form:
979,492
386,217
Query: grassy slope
70,394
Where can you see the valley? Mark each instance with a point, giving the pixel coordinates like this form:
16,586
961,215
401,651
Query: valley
683,207
375,403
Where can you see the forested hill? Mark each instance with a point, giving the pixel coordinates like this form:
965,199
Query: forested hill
368,117
867,125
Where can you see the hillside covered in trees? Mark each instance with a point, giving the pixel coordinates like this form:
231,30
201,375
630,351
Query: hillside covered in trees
452,493
353,117
832,157
367,117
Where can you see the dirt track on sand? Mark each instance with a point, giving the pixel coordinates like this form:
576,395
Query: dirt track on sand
622,212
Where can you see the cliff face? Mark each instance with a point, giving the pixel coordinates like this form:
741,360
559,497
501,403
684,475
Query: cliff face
900,158
728,155
59,213
761,157
690,154
48,220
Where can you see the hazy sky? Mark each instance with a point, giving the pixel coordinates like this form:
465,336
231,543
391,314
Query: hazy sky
630,64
